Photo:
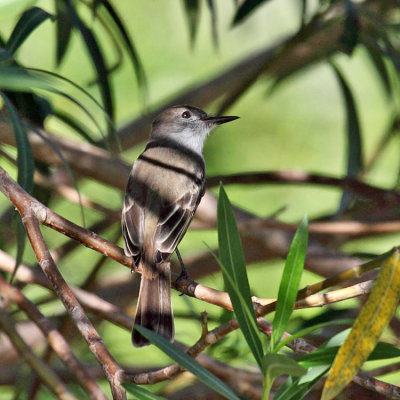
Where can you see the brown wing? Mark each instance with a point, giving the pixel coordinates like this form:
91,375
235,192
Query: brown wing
133,219
174,221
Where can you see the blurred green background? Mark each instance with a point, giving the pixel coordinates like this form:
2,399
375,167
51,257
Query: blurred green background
300,125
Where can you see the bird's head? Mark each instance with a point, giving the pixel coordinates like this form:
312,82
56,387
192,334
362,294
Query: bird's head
186,125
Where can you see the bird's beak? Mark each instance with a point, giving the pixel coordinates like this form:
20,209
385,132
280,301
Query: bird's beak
218,120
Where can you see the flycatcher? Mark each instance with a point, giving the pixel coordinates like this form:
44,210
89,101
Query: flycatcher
165,187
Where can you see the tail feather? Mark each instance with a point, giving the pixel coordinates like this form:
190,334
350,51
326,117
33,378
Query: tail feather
154,308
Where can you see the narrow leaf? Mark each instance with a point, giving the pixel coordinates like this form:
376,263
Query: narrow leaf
133,54
141,393
325,356
235,275
63,30
310,329
22,79
298,388
74,124
28,22
248,325
25,157
188,363
214,25
377,58
278,364
96,57
26,169
245,9
290,282
351,28
367,329
192,9
354,142
65,163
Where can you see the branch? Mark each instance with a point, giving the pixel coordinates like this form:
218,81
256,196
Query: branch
55,339
45,373
382,197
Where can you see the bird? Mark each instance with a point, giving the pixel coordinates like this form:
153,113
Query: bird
164,188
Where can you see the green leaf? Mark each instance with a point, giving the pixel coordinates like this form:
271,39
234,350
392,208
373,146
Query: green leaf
351,28
64,29
22,79
290,282
354,142
141,393
25,163
377,57
298,388
188,363
28,22
74,124
326,356
245,9
96,57
6,57
132,52
26,170
278,364
56,150
192,9
235,275
214,27
367,329
310,329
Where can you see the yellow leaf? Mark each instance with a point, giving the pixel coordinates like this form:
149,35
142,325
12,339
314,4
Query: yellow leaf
367,329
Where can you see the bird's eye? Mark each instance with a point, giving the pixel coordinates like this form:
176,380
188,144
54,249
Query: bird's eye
186,114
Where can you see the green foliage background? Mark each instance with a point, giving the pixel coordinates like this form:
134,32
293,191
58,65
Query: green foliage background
300,125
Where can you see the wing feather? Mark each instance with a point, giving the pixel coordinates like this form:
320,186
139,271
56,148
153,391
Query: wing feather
174,222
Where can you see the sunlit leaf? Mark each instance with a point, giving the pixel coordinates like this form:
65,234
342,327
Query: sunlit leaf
188,363
28,22
367,329
140,392
290,282
235,275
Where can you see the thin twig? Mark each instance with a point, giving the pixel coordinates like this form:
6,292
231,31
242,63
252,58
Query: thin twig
54,338
47,375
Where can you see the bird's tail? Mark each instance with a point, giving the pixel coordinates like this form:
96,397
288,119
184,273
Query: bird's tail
154,307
